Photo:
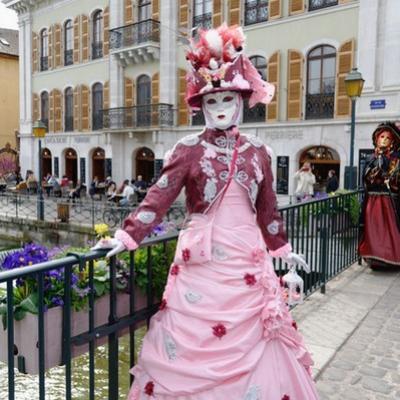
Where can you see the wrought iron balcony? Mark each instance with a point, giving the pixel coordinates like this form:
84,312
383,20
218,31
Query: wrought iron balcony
318,4
68,57
203,21
146,116
198,118
44,63
97,50
320,106
255,114
136,43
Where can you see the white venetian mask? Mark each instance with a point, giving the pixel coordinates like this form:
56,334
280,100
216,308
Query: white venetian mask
222,109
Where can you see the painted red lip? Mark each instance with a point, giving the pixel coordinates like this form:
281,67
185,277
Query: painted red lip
222,116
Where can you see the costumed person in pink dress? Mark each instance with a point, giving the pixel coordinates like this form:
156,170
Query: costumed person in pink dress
223,330
380,220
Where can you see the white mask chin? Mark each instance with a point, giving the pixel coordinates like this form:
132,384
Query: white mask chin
222,109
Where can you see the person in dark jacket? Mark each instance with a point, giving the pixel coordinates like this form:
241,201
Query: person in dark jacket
332,183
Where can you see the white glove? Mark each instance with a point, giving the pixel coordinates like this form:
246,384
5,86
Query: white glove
297,259
115,245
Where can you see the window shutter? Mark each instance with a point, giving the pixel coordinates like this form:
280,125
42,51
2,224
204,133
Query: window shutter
128,92
156,10
85,98
184,15
217,13
106,95
35,107
57,45
295,85
51,111
234,12
51,53
106,33
273,74
183,114
77,109
35,52
85,38
77,28
57,111
155,98
345,60
296,7
275,9
128,12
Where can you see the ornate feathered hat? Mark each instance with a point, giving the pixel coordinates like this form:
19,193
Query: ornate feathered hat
393,127
218,64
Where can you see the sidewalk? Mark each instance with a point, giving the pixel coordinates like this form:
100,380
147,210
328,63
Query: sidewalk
353,333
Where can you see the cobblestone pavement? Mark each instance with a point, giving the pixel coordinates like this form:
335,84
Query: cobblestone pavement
367,365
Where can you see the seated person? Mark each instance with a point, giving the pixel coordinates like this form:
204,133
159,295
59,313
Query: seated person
140,187
111,191
75,193
127,193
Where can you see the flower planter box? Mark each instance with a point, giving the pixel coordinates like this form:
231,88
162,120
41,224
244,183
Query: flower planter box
26,332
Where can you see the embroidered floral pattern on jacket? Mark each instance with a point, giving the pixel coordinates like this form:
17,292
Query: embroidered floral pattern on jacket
253,191
257,168
254,393
273,227
210,190
162,183
254,140
146,217
190,140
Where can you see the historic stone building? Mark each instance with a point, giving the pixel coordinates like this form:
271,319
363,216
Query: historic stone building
108,78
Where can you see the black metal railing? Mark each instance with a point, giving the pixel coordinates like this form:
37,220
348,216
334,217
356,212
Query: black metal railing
69,123
320,106
325,231
97,50
44,63
318,4
68,57
254,114
203,21
135,34
157,115
255,12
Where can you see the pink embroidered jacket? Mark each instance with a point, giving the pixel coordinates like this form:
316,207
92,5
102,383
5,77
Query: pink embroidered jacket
200,164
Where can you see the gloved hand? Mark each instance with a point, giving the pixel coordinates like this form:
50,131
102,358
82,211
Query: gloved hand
297,259
114,244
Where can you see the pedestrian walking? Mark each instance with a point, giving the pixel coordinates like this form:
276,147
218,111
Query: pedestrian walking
332,183
305,181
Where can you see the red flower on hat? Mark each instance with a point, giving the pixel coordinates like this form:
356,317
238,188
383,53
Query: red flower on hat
250,279
149,388
186,255
285,397
294,324
163,304
174,269
219,330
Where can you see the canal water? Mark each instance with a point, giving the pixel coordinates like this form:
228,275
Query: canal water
27,386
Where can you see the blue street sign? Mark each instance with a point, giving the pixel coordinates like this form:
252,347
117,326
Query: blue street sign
377,104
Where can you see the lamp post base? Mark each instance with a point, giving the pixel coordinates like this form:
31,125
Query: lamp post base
350,177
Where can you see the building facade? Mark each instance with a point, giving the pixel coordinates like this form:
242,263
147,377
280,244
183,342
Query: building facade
9,102
108,79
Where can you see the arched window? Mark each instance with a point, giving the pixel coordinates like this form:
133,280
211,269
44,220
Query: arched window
44,50
257,113
143,96
97,106
68,43
202,13
320,97
69,110
44,108
97,35
255,11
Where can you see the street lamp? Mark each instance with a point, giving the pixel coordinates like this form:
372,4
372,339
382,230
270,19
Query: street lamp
354,83
39,130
